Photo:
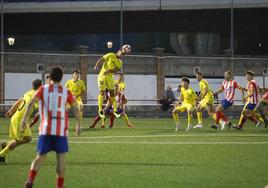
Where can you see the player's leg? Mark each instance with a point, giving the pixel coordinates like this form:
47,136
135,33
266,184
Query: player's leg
112,117
80,108
262,109
100,103
199,115
190,110
242,119
36,163
111,89
60,169
175,114
97,119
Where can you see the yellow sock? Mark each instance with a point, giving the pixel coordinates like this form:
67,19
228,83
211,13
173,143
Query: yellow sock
102,121
199,118
100,101
241,119
190,118
258,116
5,151
125,118
114,103
176,118
214,116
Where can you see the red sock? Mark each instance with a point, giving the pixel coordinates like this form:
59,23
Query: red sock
251,118
223,117
60,182
97,119
242,122
32,174
111,119
218,117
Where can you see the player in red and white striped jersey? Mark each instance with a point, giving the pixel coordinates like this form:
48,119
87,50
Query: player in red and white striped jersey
53,128
228,87
251,99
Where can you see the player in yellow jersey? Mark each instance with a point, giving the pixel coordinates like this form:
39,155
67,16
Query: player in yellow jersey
16,113
188,98
121,99
206,99
110,64
77,88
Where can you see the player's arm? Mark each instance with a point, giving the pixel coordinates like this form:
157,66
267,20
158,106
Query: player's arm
220,90
203,94
250,93
27,112
241,89
14,108
99,63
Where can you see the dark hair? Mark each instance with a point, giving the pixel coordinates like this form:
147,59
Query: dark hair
250,72
199,73
56,74
76,70
184,79
120,73
36,84
47,77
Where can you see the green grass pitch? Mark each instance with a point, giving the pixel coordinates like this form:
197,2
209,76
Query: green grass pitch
150,155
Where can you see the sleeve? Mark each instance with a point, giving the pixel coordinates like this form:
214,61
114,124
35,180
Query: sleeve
83,86
107,56
70,98
235,84
39,92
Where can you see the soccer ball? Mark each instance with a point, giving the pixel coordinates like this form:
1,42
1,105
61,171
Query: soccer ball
126,48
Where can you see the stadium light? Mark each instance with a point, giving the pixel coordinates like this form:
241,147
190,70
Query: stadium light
11,41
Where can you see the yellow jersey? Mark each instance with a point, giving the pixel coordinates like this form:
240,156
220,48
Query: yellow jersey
76,88
203,85
121,85
26,99
189,96
111,62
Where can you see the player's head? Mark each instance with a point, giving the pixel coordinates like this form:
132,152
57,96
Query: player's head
56,74
199,75
228,75
48,79
185,82
126,49
76,74
250,75
36,84
120,76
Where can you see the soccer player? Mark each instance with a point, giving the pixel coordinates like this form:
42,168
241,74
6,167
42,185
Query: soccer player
53,128
121,98
16,113
228,87
110,64
262,108
77,88
206,99
189,99
251,99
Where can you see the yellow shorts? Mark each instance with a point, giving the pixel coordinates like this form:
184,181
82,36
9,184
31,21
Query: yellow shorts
106,82
206,101
14,130
185,107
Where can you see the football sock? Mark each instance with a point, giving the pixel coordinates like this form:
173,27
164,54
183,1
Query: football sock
199,118
100,101
176,118
32,174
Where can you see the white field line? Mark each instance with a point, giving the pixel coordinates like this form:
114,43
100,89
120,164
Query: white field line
170,135
170,143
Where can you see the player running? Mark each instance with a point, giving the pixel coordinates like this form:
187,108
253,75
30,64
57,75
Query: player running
251,99
228,87
110,64
53,128
16,113
206,99
189,99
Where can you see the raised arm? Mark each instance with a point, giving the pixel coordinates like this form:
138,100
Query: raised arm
99,63
14,108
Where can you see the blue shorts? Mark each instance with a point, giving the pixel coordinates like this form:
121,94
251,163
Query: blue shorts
226,104
47,143
111,110
250,106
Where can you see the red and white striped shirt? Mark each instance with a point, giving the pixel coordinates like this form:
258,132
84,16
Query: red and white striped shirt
53,100
229,89
254,99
